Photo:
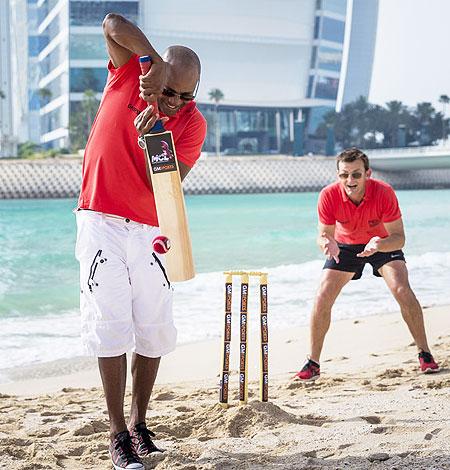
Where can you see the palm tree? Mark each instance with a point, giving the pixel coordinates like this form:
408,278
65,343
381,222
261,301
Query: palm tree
44,94
80,121
444,99
90,106
216,95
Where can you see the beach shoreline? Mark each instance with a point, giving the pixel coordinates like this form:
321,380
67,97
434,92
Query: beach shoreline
175,367
370,408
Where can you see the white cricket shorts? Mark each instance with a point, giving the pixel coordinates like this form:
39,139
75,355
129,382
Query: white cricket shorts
126,297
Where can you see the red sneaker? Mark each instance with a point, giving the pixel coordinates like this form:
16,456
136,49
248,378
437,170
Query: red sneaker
427,364
310,371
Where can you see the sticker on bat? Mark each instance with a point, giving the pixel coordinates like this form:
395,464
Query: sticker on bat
160,153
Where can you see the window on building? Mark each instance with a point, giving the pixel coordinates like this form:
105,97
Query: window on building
329,59
36,44
312,65
317,27
52,60
88,46
51,121
315,118
333,30
248,130
336,6
82,79
34,102
326,88
42,13
310,86
92,13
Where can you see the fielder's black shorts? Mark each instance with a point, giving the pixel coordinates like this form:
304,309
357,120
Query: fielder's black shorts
349,262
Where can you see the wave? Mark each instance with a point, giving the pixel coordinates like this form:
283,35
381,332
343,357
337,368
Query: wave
199,307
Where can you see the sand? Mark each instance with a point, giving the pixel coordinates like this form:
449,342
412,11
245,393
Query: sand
369,410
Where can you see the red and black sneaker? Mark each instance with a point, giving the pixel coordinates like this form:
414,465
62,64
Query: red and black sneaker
123,455
142,440
427,364
310,371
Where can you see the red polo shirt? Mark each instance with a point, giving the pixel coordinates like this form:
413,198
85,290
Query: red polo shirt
358,224
114,177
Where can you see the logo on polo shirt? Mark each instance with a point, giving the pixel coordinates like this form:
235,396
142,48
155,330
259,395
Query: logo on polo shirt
133,108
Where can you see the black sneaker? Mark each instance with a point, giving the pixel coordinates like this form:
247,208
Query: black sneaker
122,452
142,442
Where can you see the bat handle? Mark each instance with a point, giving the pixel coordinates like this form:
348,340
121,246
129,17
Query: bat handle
145,62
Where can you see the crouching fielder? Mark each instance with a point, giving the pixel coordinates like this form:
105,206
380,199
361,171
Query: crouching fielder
360,222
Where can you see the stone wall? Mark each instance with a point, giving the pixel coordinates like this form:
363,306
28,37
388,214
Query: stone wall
56,178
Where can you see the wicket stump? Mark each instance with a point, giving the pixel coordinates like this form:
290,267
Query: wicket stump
243,346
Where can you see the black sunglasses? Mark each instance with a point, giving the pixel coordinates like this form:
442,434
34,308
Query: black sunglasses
183,96
356,175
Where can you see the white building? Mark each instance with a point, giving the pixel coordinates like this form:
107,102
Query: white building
35,44
360,49
7,144
275,62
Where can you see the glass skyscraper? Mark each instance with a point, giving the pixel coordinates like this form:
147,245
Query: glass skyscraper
326,59
72,59
6,105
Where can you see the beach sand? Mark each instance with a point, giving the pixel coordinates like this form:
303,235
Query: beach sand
369,410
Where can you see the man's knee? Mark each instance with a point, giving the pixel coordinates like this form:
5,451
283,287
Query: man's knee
325,298
403,294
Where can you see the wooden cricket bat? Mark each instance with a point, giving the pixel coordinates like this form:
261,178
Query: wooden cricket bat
169,199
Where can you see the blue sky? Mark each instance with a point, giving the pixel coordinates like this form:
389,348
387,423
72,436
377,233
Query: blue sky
412,62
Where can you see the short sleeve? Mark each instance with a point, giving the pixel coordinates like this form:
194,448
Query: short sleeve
120,75
325,208
390,208
189,144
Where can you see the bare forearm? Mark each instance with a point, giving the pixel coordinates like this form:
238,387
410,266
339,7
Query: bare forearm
393,242
321,241
128,35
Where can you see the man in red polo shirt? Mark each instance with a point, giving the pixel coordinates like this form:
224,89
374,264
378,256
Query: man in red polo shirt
126,296
360,222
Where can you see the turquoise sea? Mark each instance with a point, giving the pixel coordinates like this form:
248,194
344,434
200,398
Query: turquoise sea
39,275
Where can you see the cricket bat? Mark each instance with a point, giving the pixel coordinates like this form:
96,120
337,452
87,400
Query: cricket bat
169,199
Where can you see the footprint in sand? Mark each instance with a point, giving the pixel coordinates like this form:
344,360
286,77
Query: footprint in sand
382,430
371,419
183,409
95,427
47,432
76,451
163,396
391,374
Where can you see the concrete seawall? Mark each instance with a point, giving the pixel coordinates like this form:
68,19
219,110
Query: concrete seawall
61,177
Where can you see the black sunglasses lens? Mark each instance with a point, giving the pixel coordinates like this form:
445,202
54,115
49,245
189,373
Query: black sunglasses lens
168,93
183,96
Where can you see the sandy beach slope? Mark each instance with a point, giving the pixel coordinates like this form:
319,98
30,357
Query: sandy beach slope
370,409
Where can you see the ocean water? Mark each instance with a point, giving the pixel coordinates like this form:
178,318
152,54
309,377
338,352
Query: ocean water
39,319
